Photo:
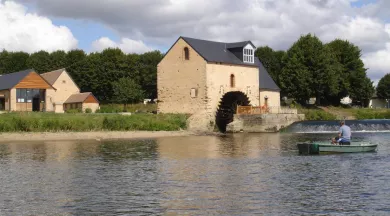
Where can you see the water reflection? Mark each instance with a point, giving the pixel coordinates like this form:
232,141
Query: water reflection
237,174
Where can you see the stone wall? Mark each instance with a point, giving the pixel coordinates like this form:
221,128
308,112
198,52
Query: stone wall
273,98
181,83
218,83
263,122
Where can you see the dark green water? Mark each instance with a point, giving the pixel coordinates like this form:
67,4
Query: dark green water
242,174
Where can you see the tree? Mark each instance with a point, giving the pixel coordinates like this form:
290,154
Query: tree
13,61
74,56
40,62
127,91
58,60
353,77
272,61
310,70
383,88
148,70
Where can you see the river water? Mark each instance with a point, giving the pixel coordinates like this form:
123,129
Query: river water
240,174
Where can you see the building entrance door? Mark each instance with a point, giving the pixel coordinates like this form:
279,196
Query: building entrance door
2,103
35,105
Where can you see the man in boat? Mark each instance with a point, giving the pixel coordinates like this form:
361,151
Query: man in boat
344,136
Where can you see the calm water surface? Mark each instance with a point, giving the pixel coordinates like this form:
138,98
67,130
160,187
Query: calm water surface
241,174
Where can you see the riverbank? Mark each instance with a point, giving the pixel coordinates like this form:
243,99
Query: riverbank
77,122
104,135
338,113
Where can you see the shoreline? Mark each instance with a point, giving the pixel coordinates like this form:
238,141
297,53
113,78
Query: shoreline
93,135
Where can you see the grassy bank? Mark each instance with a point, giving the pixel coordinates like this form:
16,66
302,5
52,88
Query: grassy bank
337,113
316,114
50,122
117,108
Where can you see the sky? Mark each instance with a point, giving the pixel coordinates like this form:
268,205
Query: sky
138,26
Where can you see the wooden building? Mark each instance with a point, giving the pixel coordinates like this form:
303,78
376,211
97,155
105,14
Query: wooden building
49,92
23,91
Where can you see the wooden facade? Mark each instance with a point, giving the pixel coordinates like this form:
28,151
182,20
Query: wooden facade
33,81
91,99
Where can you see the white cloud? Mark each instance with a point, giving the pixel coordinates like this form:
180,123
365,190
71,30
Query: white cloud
21,31
126,45
378,62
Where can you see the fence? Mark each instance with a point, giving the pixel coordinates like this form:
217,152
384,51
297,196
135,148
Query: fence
253,110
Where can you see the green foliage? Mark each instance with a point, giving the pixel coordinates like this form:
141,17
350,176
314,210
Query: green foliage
40,61
117,108
383,88
353,79
12,61
50,122
73,111
317,114
272,61
372,114
127,91
310,70
88,110
95,72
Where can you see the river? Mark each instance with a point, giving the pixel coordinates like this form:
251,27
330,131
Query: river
235,174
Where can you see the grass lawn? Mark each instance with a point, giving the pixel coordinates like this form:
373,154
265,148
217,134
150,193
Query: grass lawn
51,122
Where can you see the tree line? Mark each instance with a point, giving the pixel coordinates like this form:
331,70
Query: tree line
309,68
98,72
326,71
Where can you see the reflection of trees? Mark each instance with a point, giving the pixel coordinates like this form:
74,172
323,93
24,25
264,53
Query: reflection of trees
125,149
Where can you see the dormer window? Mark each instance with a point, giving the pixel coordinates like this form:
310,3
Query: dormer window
248,55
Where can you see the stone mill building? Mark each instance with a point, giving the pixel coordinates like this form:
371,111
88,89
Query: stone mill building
208,79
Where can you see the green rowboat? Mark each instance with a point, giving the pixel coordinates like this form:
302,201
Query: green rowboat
324,147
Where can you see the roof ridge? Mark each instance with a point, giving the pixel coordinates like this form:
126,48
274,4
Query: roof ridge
61,69
244,41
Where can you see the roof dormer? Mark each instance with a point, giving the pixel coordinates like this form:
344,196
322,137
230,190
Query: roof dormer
248,54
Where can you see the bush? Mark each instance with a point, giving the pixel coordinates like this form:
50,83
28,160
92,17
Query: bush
88,110
317,114
117,108
372,114
73,111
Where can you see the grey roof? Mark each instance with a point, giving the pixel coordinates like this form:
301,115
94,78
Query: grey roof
52,76
266,81
213,51
78,98
8,81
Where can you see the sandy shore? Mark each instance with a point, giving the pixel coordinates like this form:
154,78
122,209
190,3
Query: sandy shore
91,135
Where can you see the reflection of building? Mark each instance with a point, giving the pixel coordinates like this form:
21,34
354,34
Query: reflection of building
30,91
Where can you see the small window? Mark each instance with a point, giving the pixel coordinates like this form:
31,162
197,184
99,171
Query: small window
63,81
194,92
232,81
186,53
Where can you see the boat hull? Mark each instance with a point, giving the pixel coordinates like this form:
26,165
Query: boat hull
347,149
317,148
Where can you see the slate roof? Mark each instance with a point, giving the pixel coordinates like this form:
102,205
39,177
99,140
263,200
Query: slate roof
78,98
8,81
51,77
213,51
266,81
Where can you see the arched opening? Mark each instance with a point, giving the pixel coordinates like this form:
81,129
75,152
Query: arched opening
186,53
232,81
227,108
